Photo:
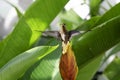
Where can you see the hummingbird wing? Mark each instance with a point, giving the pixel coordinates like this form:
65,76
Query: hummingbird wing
54,34
73,33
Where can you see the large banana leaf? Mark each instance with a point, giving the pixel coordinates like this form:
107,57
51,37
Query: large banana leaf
37,17
106,34
18,65
113,12
87,72
95,42
45,69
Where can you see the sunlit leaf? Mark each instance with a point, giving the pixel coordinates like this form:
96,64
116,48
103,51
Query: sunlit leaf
18,65
87,72
113,12
37,17
45,69
96,42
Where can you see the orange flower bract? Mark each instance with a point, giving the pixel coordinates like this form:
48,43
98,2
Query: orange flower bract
68,66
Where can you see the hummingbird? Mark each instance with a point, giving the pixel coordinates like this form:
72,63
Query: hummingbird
68,66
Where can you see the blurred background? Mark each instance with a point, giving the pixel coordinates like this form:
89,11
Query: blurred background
8,16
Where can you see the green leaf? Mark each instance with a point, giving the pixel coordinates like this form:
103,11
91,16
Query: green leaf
113,12
87,72
97,20
15,43
37,17
45,12
113,70
112,51
96,42
18,65
45,69
88,25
